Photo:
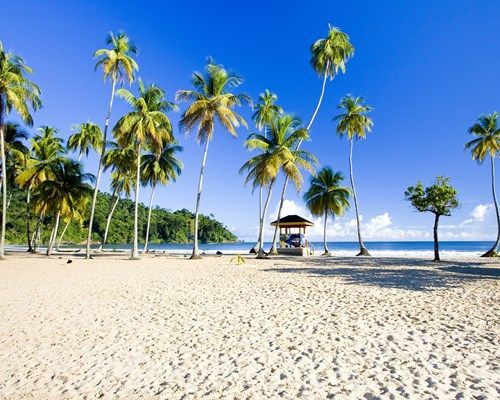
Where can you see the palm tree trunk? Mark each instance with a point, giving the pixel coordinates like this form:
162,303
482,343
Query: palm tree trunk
62,234
196,255
260,253
53,236
327,252
363,251
36,234
309,125
436,240
4,191
149,219
257,248
493,252
274,249
28,221
112,206
99,171
135,244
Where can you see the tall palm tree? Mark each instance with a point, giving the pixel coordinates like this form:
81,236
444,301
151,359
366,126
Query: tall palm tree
47,151
265,112
329,55
121,161
118,65
86,136
278,154
325,197
160,170
487,143
20,94
61,195
147,126
212,99
355,124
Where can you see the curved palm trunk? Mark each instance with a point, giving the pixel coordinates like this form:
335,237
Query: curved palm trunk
274,249
135,244
149,218
4,191
436,239
28,221
313,117
493,252
99,171
260,253
62,234
53,235
196,255
258,248
327,252
112,207
363,251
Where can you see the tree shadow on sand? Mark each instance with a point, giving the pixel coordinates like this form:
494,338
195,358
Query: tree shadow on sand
408,274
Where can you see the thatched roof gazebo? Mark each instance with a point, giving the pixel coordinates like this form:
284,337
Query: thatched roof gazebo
293,244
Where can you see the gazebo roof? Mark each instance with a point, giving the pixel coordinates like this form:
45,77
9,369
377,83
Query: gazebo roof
292,221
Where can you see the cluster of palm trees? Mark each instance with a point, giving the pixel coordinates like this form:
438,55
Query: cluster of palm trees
143,150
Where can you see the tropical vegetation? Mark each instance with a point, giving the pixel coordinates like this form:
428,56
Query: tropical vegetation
487,143
355,124
440,199
326,197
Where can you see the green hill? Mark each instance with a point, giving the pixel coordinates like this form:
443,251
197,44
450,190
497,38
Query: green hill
166,226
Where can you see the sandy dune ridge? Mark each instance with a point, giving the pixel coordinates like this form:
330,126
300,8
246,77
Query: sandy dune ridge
170,328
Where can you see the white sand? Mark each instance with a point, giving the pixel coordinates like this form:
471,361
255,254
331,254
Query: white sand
169,328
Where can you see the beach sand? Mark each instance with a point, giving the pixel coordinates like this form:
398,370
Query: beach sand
313,328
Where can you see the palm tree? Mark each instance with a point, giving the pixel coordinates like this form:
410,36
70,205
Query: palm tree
118,65
17,93
326,197
278,154
329,55
487,142
86,136
355,124
266,111
47,151
160,170
122,163
147,126
211,100
15,153
63,194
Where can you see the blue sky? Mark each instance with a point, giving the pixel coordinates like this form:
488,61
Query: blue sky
428,68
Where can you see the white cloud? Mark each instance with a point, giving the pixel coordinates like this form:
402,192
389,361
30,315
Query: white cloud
379,227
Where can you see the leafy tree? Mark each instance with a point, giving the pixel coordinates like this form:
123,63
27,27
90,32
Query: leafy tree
86,136
355,124
440,199
212,99
329,55
63,194
118,65
278,154
20,94
121,161
160,170
47,151
487,143
265,112
147,126
326,197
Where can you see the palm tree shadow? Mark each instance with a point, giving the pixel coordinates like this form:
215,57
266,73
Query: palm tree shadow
407,274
